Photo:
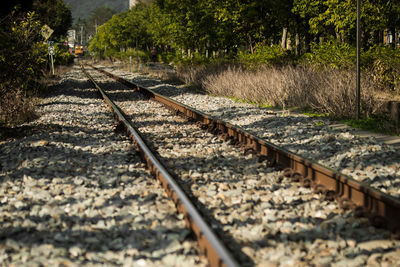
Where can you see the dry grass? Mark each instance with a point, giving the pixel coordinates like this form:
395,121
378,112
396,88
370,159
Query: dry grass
327,91
15,107
18,106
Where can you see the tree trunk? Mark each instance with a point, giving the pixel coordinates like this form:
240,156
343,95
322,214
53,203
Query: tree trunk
251,45
284,38
393,30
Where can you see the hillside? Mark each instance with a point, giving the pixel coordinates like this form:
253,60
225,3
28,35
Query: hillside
82,8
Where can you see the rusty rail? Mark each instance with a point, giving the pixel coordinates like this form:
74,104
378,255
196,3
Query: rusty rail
210,245
382,209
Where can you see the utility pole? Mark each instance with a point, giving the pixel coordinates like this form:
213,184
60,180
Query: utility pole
81,34
358,61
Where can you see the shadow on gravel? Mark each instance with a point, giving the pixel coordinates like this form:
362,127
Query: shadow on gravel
71,87
43,226
104,237
61,103
39,221
16,132
121,93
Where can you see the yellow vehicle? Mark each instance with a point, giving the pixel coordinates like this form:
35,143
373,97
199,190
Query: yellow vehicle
79,52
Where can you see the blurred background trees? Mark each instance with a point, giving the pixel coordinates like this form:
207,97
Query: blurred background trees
231,26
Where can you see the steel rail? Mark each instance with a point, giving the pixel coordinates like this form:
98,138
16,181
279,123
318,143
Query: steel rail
211,246
383,209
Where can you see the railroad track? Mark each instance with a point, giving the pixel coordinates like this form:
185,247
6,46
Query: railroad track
363,201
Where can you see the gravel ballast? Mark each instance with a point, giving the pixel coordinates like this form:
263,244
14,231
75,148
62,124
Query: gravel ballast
363,158
265,219
75,192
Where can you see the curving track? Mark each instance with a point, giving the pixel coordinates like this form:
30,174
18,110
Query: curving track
264,217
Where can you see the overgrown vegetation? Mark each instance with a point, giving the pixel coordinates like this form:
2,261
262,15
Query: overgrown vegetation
302,87
284,53
375,123
24,59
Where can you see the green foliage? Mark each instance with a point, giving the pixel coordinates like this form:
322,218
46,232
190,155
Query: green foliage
22,52
55,14
62,56
334,18
265,55
22,61
381,62
384,64
195,59
140,55
252,31
376,123
331,53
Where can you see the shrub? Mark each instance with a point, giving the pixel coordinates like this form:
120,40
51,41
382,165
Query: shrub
383,62
329,90
62,56
265,55
331,54
22,61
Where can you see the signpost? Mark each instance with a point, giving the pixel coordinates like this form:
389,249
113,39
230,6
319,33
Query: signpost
51,54
46,32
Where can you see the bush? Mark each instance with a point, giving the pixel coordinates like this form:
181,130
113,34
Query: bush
167,57
142,55
329,90
331,54
22,62
265,55
383,62
62,55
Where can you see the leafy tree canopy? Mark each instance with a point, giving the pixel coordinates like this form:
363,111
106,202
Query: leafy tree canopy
55,14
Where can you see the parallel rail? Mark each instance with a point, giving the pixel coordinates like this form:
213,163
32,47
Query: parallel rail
210,245
382,209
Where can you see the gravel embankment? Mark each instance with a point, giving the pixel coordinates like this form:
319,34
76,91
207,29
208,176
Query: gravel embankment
265,219
364,159
74,192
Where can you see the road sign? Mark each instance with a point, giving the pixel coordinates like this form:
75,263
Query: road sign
52,52
46,32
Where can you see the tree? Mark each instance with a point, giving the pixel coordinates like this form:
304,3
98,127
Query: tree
337,18
97,18
21,5
55,14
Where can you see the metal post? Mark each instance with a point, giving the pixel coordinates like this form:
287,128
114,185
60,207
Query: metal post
137,55
81,35
52,64
358,60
